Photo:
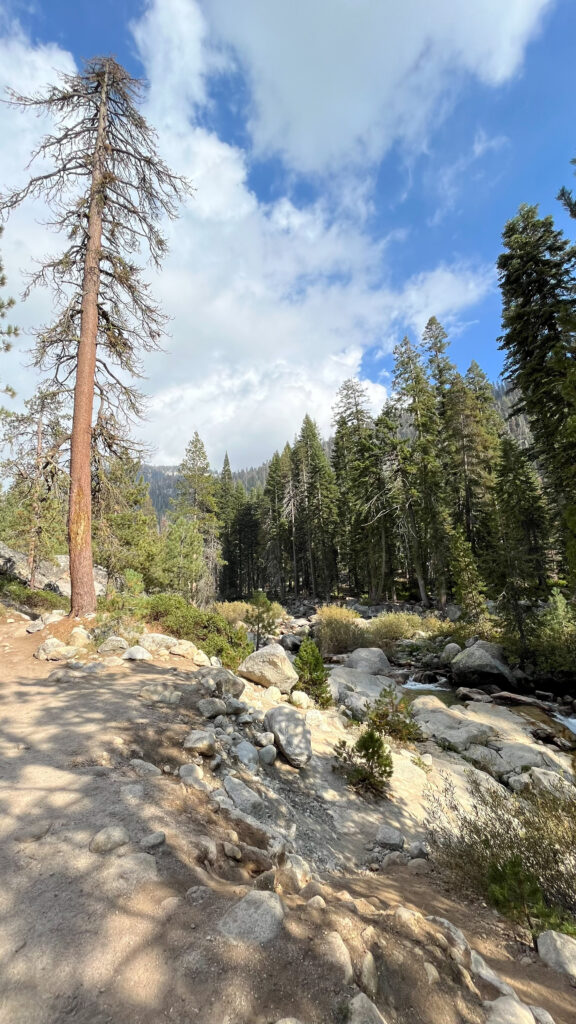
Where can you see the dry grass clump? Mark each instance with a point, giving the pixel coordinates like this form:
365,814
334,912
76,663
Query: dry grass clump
232,611
337,631
387,629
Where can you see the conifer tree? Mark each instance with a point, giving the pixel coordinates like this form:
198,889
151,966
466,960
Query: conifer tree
537,274
36,443
520,564
275,529
315,510
108,190
366,509
289,510
125,528
226,513
196,503
7,331
426,512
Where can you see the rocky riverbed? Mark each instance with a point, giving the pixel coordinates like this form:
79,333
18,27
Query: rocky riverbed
180,827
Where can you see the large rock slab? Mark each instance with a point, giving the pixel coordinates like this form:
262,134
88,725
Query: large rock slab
451,727
256,920
291,734
508,1010
244,797
368,659
479,665
357,689
269,666
559,952
51,573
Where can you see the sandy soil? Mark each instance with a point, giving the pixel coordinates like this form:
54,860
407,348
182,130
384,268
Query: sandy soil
90,938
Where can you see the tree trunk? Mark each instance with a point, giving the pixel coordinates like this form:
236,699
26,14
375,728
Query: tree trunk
83,600
35,528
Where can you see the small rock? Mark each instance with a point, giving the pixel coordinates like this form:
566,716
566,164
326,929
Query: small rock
35,627
137,653
247,754
369,976
80,637
170,906
264,739
151,841
317,903
363,1011
431,973
192,775
232,851
541,1016
109,838
211,707
389,837
113,645
335,950
558,951
291,735
197,894
419,849
255,920
244,797
419,866
269,666
32,833
508,1010
144,767
300,699
202,742
267,755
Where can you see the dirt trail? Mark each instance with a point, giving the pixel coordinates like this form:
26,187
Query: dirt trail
91,939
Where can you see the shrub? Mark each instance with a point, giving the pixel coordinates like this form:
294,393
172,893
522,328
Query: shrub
390,713
551,636
41,600
211,632
312,675
233,611
387,629
367,765
517,852
337,630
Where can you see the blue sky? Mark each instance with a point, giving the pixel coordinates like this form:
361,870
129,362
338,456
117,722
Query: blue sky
353,174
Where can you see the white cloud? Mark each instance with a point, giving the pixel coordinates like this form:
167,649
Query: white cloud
272,305
339,83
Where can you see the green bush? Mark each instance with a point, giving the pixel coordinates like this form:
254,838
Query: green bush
38,600
367,765
551,636
517,852
337,631
312,675
211,632
390,713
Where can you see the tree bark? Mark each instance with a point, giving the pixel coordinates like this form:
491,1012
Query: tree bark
83,599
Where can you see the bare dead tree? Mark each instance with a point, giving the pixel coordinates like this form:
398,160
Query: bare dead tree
108,190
